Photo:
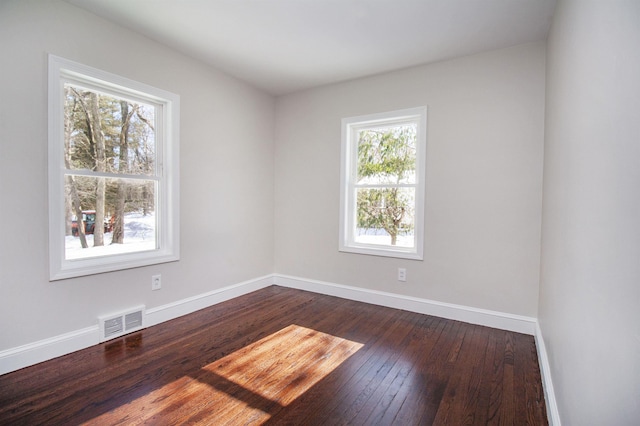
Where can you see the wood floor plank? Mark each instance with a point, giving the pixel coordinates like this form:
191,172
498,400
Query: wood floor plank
438,369
378,388
420,399
487,379
509,403
374,365
469,413
281,356
403,385
462,388
459,370
381,400
495,377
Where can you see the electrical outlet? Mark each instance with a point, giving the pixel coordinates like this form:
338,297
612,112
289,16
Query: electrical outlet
402,274
156,282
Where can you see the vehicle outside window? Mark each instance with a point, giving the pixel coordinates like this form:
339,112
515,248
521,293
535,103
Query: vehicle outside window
89,220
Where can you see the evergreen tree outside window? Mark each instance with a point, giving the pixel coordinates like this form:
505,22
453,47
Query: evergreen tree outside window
113,172
382,192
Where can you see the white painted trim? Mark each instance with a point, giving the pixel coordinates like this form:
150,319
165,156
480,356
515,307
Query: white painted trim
43,350
503,321
547,384
166,175
46,349
186,306
348,185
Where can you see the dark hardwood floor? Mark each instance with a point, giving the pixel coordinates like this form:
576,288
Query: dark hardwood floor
283,356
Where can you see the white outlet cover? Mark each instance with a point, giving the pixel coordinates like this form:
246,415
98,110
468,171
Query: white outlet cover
156,282
402,274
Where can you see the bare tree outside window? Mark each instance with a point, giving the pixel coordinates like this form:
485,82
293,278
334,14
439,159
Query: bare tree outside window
113,172
108,135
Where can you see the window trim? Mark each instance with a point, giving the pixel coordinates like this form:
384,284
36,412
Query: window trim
60,71
348,169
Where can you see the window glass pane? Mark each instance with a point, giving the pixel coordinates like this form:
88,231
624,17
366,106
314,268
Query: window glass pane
108,134
387,155
385,216
127,216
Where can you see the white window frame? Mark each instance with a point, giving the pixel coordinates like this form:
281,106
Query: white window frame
348,184
167,105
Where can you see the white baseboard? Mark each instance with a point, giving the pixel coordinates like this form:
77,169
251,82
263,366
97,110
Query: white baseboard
503,321
43,350
500,320
186,306
46,349
545,371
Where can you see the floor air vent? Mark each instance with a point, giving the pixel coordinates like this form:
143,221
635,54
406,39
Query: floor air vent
121,323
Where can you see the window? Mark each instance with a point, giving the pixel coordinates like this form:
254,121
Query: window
113,172
382,183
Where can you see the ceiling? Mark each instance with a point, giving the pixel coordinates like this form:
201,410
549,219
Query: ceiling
282,46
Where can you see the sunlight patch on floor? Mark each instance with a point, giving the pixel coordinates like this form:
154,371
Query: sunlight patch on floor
284,365
245,387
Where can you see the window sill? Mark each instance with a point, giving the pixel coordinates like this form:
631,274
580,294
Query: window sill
383,252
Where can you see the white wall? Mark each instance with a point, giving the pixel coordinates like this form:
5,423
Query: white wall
227,131
484,180
590,277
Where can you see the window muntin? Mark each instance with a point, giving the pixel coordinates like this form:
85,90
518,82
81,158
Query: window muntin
113,160
382,200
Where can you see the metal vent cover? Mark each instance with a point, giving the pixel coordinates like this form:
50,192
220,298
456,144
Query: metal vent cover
132,320
121,323
113,327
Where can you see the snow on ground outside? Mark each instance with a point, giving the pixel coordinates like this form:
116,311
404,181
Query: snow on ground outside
381,237
139,235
